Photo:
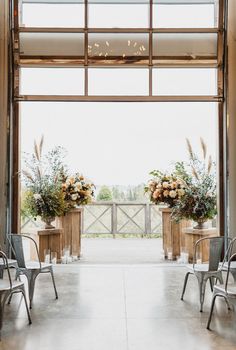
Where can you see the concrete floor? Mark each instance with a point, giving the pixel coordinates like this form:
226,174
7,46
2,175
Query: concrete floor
117,307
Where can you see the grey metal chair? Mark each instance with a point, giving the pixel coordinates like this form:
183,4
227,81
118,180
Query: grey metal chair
231,250
8,288
30,269
207,271
227,291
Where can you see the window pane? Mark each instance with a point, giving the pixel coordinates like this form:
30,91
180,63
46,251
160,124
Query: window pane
118,81
53,14
104,14
52,81
118,48
189,81
185,45
58,44
184,15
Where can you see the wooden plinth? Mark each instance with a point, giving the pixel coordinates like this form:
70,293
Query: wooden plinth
172,233
50,239
191,237
72,224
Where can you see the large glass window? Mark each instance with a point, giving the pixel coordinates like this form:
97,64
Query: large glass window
110,81
118,14
184,81
52,81
52,44
180,45
184,14
53,14
118,47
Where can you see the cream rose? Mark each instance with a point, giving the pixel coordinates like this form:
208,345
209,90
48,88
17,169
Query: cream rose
181,192
166,193
165,184
173,194
74,196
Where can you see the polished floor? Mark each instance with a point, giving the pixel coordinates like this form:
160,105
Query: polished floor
117,307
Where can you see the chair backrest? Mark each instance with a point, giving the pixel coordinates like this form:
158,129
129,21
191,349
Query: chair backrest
215,246
5,263
216,250
16,244
233,257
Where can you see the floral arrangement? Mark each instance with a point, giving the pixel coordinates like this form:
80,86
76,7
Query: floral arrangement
49,191
43,196
199,201
77,191
164,188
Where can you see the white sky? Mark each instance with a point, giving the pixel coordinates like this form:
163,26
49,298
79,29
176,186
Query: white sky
119,143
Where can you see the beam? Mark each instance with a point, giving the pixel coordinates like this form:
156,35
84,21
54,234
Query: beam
73,98
4,118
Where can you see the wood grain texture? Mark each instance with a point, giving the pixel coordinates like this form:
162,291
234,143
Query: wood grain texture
172,233
72,224
4,117
50,239
191,237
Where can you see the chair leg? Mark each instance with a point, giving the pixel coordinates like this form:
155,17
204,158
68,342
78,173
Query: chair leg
211,311
212,282
227,303
220,278
202,288
31,277
26,305
3,299
53,281
185,284
9,300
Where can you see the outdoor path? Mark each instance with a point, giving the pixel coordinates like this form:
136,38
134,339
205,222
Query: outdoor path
121,250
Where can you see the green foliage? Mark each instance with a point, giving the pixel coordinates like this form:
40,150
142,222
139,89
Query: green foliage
104,194
199,201
43,180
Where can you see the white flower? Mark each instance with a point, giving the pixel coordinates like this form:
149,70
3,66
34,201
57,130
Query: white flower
74,196
166,193
165,184
78,185
172,194
181,192
37,196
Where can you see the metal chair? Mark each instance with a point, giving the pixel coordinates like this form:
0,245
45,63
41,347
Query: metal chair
227,291
8,288
206,271
230,251
30,269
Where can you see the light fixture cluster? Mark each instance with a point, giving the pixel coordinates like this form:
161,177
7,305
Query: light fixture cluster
105,49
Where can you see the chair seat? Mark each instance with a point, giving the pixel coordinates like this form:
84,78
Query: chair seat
34,265
232,265
231,289
198,267
5,285
11,262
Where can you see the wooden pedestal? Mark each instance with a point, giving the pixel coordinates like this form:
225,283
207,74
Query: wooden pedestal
50,239
72,224
173,237
191,237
